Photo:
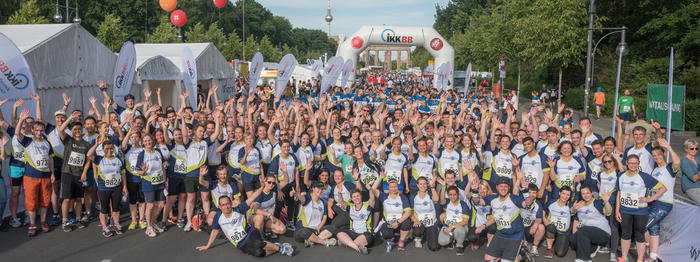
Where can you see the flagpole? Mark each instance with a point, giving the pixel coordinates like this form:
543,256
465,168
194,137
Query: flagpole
670,101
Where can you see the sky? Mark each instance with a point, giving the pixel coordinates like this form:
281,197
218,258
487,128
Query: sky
350,15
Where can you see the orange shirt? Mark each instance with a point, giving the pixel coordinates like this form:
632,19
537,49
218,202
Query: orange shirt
599,98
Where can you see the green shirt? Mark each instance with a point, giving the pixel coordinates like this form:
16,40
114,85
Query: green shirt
346,164
625,103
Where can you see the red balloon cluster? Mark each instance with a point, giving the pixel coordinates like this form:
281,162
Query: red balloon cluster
178,18
219,3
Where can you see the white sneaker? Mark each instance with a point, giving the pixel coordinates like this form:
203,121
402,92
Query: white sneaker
595,251
418,242
188,226
331,242
533,251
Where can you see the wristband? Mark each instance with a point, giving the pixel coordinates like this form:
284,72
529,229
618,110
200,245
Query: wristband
426,121
444,187
415,125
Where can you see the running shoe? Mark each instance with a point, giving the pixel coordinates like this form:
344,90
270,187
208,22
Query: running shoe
133,225
67,226
604,250
613,257
180,223
196,223
388,246
595,251
533,251
117,229
460,251
401,245
71,219
622,259
85,219
308,243
331,242
45,228
15,222
172,220
55,220
107,233
288,249
363,250
32,231
82,224
160,227
188,227
27,221
143,224
475,246
548,253
290,226
419,244
150,232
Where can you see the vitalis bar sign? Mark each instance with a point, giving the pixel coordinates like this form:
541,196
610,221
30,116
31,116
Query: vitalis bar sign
389,36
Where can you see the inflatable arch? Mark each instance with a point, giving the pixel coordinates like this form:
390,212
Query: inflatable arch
426,37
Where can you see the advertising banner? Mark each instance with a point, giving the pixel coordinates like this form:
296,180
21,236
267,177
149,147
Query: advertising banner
254,70
678,240
189,75
330,74
16,81
657,105
124,72
348,68
285,70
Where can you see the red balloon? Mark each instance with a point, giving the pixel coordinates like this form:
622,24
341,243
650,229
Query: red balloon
168,5
219,3
178,18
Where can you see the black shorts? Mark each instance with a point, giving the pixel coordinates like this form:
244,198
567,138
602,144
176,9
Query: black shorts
57,166
626,116
71,187
505,249
16,181
528,237
109,197
176,186
191,184
134,192
154,196
368,236
304,233
251,186
254,245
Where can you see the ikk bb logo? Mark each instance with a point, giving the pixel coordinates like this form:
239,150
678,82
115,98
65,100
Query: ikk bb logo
17,80
189,69
119,80
389,36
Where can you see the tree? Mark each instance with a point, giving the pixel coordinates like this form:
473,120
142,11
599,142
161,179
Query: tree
164,33
216,36
289,50
196,34
420,57
269,51
28,14
251,47
111,33
233,48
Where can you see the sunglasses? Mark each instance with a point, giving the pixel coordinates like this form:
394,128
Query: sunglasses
693,148
607,161
270,182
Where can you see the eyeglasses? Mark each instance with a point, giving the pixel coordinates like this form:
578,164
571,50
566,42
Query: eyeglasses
607,161
365,110
693,149
270,182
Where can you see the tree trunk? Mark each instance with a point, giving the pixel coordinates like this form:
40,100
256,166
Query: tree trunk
559,92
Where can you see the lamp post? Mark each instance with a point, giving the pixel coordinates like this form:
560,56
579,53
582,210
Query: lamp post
59,18
621,51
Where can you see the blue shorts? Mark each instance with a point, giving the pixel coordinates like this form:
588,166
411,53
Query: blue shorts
16,172
626,116
598,105
656,214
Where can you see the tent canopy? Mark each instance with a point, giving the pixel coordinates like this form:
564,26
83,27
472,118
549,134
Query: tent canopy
211,64
64,58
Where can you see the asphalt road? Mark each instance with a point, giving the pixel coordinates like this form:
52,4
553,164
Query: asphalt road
88,244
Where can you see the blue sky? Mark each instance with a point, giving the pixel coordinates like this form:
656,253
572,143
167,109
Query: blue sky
349,15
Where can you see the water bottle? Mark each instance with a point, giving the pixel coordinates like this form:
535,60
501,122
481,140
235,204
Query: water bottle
124,198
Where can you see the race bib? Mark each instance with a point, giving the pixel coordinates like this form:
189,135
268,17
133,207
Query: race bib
394,174
504,169
156,178
238,233
528,220
368,179
42,162
180,166
566,179
391,218
451,220
427,219
629,199
502,221
531,177
626,109
561,223
18,155
452,166
112,179
348,169
76,159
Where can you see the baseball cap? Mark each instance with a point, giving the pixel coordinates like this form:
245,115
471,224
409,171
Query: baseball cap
502,180
317,184
59,112
543,128
128,96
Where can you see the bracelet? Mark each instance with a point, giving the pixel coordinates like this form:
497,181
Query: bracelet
426,121
415,125
444,187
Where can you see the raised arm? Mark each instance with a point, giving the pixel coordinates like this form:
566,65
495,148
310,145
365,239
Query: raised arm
37,99
18,131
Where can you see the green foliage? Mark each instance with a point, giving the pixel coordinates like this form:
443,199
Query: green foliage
251,47
420,57
29,13
111,33
164,33
233,48
196,34
269,51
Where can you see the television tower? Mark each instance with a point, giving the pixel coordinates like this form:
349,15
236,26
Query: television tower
329,18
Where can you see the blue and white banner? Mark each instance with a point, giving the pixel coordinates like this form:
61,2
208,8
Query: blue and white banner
284,72
124,72
348,68
189,75
316,66
679,233
330,74
254,70
468,79
443,73
429,70
16,81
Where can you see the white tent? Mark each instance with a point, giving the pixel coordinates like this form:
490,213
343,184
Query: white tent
159,66
64,58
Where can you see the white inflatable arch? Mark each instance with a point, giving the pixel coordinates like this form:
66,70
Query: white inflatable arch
426,37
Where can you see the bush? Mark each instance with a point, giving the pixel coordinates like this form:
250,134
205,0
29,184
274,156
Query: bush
574,98
692,115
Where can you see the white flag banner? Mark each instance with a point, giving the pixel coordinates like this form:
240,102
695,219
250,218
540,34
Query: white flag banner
428,72
330,74
124,72
316,66
189,75
254,70
679,233
443,76
16,80
348,68
468,79
284,72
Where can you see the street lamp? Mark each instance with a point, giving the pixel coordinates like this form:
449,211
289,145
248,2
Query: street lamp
59,18
621,51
